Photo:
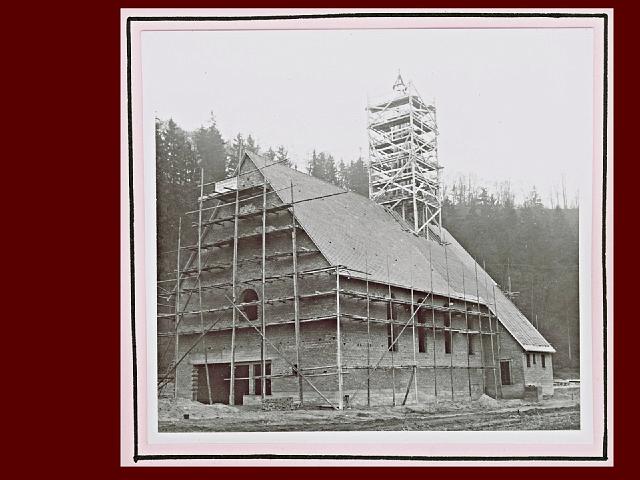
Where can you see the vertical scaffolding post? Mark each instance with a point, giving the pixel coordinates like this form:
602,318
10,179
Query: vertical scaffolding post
296,306
433,329
234,317
366,267
466,322
483,370
497,334
339,342
393,369
413,331
204,338
446,261
493,357
438,169
177,303
263,345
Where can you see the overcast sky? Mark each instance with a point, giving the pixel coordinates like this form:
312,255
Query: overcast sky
512,104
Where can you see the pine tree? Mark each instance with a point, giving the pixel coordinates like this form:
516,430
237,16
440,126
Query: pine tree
177,177
270,155
312,165
233,154
358,177
283,156
210,150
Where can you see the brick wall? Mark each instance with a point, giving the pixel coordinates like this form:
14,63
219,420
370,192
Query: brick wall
522,375
537,375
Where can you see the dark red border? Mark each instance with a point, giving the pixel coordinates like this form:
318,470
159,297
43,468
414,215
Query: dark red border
66,58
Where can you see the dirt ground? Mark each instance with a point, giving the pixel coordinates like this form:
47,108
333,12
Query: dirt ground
483,414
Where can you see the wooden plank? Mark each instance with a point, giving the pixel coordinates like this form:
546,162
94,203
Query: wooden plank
177,310
433,323
446,262
413,376
482,362
296,306
234,293
466,320
339,343
493,357
204,339
366,266
393,339
413,332
263,316
497,337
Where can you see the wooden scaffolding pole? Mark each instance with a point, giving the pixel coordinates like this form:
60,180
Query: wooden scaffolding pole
393,339
497,335
466,321
177,307
296,306
493,357
475,264
446,262
234,316
339,343
366,267
433,328
263,316
204,339
414,374
406,394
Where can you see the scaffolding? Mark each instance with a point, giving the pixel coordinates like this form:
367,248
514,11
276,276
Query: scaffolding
240,199
404,173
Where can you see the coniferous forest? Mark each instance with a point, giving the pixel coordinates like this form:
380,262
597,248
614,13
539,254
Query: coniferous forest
530,249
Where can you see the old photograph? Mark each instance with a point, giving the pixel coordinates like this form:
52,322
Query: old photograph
369,229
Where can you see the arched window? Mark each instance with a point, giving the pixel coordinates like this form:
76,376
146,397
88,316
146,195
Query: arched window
251,311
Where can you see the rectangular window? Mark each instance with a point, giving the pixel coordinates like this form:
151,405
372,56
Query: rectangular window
528,360
544,363
257,385
422,341
470,340
534,358
391,346
505,372
447,341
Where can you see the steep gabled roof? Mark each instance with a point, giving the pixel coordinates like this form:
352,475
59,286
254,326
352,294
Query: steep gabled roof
357,233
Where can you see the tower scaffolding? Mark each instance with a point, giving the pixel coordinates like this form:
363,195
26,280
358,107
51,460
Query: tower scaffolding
404,172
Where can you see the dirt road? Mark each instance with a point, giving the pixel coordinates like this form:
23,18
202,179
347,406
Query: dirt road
543,416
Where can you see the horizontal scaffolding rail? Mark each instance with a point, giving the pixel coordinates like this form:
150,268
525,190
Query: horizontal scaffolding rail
359,318
251,259
230,240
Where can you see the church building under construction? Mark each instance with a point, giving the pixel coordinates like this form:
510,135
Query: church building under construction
298,289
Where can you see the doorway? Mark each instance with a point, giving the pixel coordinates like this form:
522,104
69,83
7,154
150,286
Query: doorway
220,379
